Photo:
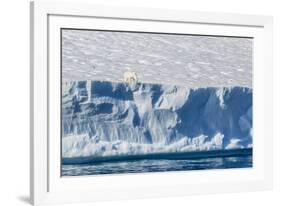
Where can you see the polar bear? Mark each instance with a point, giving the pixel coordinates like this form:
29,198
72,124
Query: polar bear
130,77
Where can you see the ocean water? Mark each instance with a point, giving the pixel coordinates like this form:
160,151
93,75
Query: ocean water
159,165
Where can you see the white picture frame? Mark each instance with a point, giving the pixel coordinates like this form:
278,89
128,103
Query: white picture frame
47,186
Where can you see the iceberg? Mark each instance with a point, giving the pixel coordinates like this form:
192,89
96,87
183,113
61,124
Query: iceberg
103,118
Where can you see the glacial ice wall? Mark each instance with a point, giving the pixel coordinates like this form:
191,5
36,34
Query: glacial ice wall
109,118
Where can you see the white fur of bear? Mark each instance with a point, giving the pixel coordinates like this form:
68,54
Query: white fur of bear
130,77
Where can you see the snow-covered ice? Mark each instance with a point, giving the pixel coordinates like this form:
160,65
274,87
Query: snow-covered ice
190,93
194,61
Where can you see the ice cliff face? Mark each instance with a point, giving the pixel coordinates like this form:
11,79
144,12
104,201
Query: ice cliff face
106,118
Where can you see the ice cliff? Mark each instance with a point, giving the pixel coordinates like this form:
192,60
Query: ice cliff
108,118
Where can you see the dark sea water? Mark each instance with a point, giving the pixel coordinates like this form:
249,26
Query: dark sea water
159,165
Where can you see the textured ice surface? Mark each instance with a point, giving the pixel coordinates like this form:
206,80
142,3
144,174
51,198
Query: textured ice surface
193,93
194,61
105,118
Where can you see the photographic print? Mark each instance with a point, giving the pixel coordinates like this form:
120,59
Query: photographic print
134,102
